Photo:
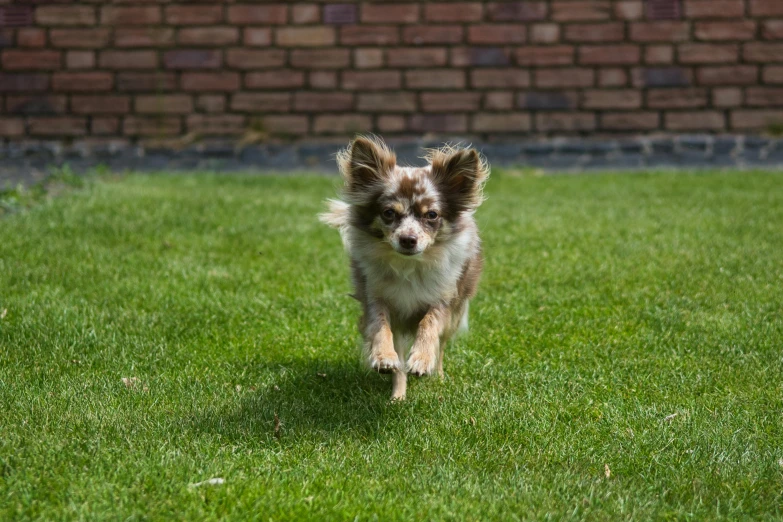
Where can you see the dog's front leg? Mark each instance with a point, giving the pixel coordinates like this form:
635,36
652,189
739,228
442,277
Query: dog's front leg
426,348
379,342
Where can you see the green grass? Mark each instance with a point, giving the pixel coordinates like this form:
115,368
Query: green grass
628,321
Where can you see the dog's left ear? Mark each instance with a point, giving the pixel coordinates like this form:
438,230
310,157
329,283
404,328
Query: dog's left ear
460,175
365,163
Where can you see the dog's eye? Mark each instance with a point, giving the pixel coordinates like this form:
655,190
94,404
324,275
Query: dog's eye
389,213
431,215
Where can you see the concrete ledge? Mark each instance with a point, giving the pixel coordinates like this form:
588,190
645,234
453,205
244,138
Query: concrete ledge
31,160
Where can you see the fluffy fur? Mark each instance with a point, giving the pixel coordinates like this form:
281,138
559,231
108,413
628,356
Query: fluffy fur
414,248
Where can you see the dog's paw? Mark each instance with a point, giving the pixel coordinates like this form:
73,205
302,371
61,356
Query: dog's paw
421,363
385,362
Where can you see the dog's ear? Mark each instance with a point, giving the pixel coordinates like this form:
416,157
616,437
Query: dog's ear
460,176
365,163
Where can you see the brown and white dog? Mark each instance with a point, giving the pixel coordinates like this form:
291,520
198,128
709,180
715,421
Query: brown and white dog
414,248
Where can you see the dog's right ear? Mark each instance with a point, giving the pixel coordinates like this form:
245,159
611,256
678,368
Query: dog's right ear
365,163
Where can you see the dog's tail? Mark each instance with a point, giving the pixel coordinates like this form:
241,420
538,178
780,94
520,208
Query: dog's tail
337,216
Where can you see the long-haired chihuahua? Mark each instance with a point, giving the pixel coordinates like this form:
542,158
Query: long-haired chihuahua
414,248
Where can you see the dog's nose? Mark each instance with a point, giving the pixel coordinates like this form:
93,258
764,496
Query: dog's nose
408,242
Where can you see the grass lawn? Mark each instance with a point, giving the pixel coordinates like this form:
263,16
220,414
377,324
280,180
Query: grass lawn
624,361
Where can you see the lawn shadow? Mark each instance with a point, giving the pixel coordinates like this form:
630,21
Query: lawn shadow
303,398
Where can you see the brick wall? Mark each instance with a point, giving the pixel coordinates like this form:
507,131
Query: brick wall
146,70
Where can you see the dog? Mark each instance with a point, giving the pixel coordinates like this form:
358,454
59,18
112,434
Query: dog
414,248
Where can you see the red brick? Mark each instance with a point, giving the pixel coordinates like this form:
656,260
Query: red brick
772,30
708,53
499,101
371,80
550,55
285,125
773,74
82,81
255,58
143,37
425,57
453,12
763,52
341,124
79,38
31,37
499,78
258,14
208,36
194,14
261,102
29,60
391,123
766,8
367,58
65,15
306,14
369,35
151,126
450,101
605,32
315,36
764,97
136,15
104,125
757,119
629,121
321,58
695,121
435,79
390,13
100,104
740,30
612,99
714,9
216,124
323,101
480,56
494,122
629,10
609,54
660,31
210,82
11,127
728,75
211,103
612,77
57,126
36,104
443,123
585,10
526,11
164,104
80,59
659,54
146,82
323,80
14,82
386,102
566,122
432,34
677,98
278,79
727,97
547,100
661,77
257,36
503,34
128,60
559,78
545,33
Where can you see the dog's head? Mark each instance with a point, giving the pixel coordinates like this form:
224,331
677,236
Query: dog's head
410,208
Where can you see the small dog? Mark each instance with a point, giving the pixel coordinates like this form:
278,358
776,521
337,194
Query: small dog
414,248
